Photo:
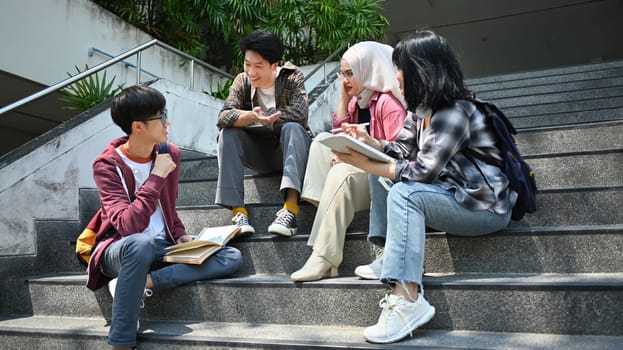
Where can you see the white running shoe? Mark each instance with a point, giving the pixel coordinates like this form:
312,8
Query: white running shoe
398,319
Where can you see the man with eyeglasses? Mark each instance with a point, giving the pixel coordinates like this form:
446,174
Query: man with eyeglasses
138,188
263,126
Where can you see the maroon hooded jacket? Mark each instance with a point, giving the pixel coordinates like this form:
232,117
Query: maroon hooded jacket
123,216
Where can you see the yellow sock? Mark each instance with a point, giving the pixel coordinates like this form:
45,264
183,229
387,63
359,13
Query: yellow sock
236,210
293,207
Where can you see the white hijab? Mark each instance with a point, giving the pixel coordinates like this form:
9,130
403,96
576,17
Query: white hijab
372,66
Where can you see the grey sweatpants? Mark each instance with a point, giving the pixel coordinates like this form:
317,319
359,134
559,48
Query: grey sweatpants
263,154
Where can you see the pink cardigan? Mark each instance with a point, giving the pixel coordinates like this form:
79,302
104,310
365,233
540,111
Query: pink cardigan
387,115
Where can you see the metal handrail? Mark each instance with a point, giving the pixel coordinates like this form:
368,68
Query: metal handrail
125,63
324,62
137,50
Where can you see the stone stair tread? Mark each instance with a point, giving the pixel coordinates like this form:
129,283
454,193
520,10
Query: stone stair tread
528,280
548,73
174,335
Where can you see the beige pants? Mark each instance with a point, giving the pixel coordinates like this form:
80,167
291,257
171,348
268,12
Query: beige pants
339,191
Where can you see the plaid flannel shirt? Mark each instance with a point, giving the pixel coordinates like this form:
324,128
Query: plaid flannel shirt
290,99
436,154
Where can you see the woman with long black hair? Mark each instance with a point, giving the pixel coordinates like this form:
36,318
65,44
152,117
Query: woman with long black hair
435,181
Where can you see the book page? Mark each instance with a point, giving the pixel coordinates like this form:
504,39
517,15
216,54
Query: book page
218,236
340,142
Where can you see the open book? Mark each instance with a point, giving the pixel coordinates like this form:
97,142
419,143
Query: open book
339,142
206,243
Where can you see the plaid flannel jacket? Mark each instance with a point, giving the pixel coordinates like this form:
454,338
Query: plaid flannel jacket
435,155
290,98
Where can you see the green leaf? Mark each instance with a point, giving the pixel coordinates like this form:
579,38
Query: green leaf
89,91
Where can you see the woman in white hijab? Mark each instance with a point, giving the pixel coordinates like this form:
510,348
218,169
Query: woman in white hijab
369,94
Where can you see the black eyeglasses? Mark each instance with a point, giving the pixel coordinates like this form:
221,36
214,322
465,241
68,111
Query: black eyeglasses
163,117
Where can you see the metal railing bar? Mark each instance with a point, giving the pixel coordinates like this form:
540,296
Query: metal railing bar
77,77
125,63
138,67
324,62
137,50
191,58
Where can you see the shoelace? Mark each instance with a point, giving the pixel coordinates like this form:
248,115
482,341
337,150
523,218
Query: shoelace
378,251
241,219
390,310
284,217
146,294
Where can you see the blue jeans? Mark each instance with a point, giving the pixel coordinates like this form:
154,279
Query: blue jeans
409,209
378,210
131,258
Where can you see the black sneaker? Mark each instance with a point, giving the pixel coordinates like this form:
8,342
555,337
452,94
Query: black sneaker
242,221
284,224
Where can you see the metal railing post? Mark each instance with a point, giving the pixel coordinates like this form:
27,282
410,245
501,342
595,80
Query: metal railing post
138,67
192,74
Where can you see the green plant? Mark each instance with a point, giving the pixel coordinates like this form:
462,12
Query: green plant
88,92
222,91
211,29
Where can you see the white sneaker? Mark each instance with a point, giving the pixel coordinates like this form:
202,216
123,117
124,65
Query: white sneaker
371,271
112,285
398,319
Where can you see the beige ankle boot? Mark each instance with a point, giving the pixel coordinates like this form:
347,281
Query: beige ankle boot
315,268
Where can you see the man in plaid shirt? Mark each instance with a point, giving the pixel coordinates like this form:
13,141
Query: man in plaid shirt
263,126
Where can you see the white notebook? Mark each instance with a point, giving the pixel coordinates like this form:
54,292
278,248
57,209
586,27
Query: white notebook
339,143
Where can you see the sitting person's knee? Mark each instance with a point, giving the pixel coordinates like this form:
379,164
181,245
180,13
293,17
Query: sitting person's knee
141,246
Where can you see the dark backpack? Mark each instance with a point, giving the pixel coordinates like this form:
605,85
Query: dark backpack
519,174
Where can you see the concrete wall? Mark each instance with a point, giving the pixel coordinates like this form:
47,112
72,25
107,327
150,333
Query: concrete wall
493,36
42,40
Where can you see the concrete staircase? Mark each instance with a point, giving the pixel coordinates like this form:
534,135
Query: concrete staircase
552,280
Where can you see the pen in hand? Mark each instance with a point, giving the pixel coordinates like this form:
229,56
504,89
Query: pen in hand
340,129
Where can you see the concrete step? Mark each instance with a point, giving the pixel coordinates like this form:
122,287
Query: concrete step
555,207
566,113
550,75
513,250
257,189
567,171
529,246
539,142
588,206
557,97
201,168
554,171
534,141
606,81
535,303
52,333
